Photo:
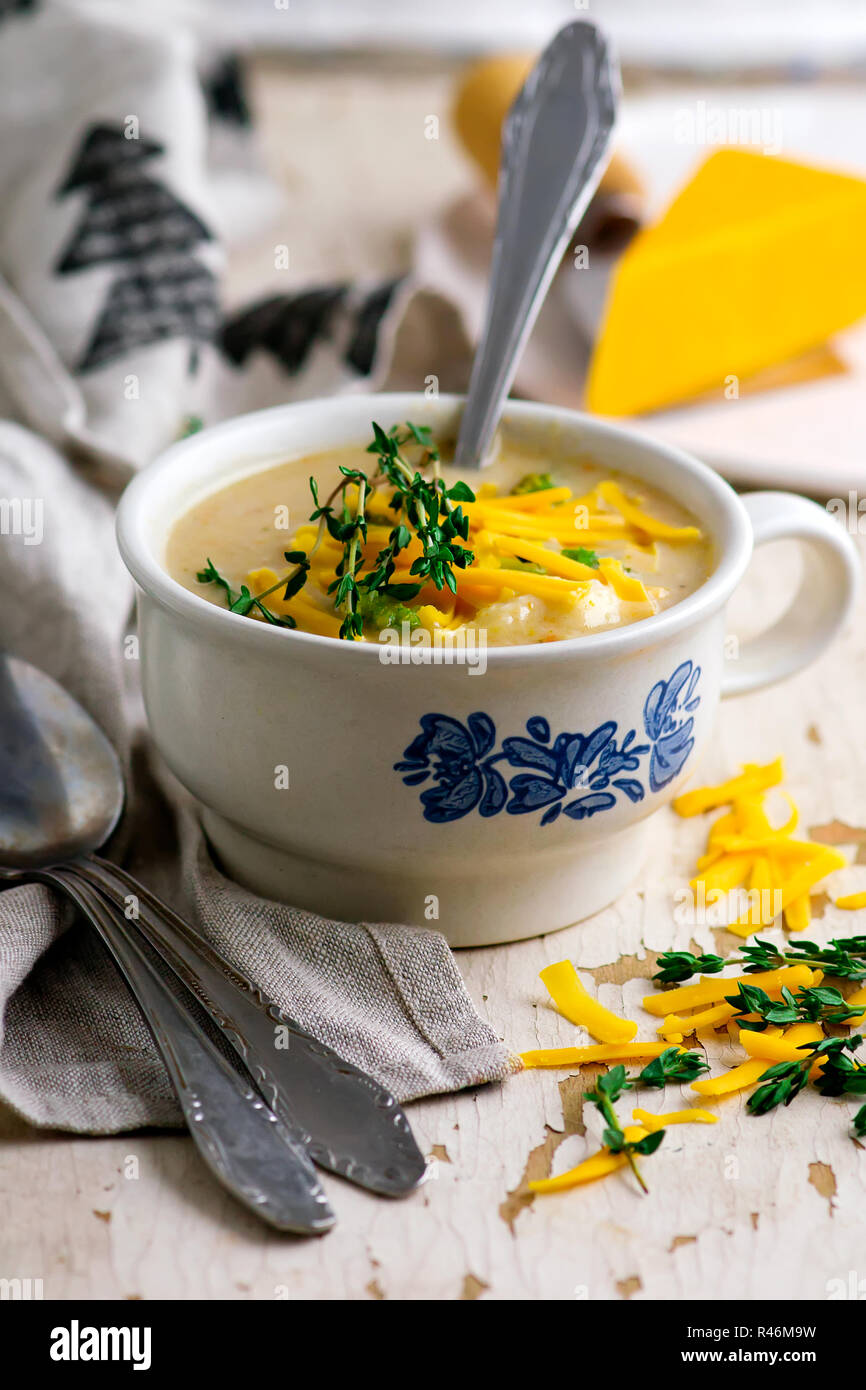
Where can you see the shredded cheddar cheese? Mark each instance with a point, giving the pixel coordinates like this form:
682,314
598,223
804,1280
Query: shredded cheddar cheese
625,586
613,494
737,1079
573,1002
715,989
693,1116
580,1056
752,780
792,887
544,585
675,1028
775,1046
853,1000
551,560
598,1166
743,847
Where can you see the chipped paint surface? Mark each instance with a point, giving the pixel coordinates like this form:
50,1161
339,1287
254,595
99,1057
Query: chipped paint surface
819,903
836,832
626,1287
681,1240
473,1287
823,1179
539,1163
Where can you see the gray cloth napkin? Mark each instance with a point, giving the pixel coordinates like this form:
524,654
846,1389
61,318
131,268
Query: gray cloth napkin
76,1054
111,334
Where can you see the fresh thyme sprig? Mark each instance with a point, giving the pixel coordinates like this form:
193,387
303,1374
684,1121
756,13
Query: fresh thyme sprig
242,602
677,966
352,531
844,957
424,506
670,1066
781,1083
814,1004
425,509
840,1074
607,1091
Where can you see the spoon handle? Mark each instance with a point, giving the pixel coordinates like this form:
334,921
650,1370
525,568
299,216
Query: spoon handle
554,146
252,1152
349,1123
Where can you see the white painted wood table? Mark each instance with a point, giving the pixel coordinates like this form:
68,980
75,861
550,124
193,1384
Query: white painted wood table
751,1208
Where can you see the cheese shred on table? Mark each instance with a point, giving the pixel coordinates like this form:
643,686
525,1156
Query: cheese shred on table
573,1002
744,850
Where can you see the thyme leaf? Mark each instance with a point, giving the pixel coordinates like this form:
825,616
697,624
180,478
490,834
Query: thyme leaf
242,602
672,1066
811,1004
607,1091
840,1074
843,957
677,966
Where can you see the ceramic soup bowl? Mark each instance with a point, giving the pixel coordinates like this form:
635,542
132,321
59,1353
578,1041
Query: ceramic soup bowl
494,805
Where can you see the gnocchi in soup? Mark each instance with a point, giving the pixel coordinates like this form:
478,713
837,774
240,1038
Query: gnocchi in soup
350,542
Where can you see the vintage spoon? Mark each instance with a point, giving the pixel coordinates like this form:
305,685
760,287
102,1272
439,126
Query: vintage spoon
247,1147
350,1124
346,1120
555,145
60,780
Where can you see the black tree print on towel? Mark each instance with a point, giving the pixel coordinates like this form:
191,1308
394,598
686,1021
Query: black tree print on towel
163,290
289,326
361,352
225,92
11,7
285,325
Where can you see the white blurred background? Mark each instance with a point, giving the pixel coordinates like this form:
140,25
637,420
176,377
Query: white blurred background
675,33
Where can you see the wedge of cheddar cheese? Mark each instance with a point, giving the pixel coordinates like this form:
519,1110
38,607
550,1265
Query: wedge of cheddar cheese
758,260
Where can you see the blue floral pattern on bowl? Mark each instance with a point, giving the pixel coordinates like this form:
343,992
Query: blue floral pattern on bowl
669,722
576,775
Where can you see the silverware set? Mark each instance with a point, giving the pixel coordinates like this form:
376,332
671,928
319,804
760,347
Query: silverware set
293,1104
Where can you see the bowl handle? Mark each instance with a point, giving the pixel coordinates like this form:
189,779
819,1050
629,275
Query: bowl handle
827,591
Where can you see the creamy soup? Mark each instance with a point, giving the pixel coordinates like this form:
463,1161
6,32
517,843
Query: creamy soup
543,549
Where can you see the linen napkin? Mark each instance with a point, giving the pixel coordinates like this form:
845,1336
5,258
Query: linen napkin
112,334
